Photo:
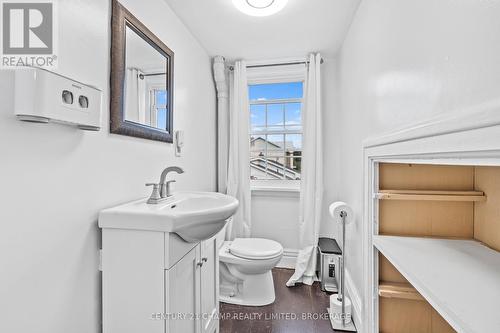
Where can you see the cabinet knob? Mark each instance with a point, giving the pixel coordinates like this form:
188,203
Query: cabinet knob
204,259
199,264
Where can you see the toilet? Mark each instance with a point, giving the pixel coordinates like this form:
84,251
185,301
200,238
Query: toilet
245,270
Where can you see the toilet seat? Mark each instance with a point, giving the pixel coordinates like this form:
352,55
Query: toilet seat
255,248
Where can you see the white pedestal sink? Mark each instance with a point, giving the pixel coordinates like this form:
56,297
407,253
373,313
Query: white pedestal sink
194,216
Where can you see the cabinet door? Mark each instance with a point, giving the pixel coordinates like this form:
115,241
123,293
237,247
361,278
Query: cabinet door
182,283
210,286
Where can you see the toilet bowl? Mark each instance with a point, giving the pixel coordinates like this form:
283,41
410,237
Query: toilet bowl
245,271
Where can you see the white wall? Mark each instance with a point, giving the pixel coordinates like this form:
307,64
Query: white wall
55,179
403,62
331,144
275,215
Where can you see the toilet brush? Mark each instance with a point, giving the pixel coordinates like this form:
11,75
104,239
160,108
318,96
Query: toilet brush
340,304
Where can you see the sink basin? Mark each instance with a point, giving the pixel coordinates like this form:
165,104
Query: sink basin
194,216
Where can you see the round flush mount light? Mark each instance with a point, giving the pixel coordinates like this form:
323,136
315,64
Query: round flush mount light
260,7
260,4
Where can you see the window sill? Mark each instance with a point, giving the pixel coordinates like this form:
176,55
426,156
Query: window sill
275,191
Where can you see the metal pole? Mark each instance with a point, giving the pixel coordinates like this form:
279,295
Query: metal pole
343,215
306,62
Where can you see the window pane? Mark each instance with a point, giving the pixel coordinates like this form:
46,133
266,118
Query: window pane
276,155
258,168
297,167
161,97
275,144
257,115
293,168
275,117
293,144
257,146
275,169
275,91
161,118
262,169
293,116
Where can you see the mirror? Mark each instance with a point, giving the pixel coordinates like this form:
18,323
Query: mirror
141,80
145,83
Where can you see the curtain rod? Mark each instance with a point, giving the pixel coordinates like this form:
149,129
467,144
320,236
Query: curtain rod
279,64
141,76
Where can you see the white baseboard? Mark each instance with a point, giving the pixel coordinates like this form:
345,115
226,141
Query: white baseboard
289,258
352,292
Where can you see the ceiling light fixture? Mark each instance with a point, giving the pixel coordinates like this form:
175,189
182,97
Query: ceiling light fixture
260,4
260,7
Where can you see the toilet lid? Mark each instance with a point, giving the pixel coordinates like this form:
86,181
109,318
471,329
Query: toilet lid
255,248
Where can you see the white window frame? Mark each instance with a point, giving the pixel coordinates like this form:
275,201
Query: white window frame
269,75
153,112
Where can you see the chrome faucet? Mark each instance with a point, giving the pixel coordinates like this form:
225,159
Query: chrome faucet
161,191
165,186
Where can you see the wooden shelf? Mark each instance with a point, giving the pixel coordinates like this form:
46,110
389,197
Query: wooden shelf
398,290
416,195
459,278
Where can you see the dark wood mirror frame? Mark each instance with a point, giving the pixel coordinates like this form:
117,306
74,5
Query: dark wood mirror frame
121,18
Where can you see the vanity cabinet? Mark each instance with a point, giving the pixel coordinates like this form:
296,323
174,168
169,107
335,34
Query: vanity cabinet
156,282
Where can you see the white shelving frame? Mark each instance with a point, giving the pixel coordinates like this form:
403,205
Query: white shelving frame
469,137
371,252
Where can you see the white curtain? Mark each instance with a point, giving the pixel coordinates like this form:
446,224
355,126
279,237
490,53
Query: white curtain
135,96
238,174
311,193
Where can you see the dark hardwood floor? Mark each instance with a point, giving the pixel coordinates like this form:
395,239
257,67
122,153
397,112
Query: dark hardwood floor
297,309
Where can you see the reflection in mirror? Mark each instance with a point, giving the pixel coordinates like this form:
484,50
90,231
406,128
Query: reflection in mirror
145,85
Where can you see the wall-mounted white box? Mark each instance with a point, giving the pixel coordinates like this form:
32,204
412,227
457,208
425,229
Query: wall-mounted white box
43,96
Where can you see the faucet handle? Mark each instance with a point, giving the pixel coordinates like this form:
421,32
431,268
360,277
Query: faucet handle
155,195
168,191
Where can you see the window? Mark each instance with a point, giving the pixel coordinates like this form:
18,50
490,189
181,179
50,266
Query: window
158,104
276,131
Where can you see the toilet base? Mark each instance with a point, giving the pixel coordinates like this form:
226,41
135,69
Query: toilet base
255,290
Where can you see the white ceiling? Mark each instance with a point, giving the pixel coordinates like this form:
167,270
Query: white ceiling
303,26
